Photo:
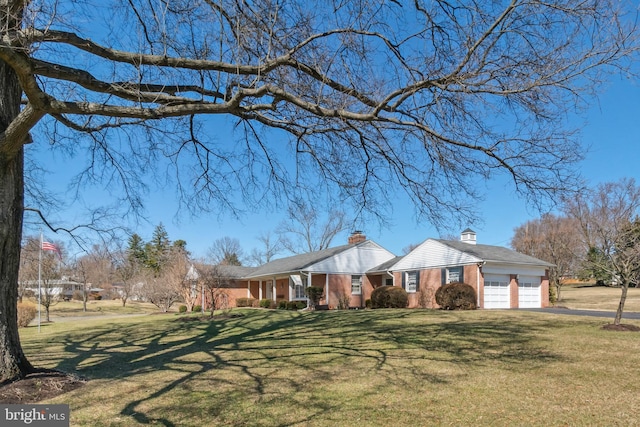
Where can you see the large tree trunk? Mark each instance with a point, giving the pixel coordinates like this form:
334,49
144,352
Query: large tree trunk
13,363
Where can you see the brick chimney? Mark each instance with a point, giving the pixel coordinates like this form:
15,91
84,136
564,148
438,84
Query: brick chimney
357,237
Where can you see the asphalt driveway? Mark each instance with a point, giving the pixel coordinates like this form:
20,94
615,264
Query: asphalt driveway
592,313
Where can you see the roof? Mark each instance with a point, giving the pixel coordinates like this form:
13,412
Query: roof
228,271
494,253
298,262
385,266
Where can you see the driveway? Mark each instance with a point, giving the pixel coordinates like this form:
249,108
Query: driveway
592,313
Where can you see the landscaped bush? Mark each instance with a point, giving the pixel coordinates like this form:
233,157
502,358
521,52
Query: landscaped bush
456,296
245,302
26,313
314,293
282,305
296,305
367,303
182,309
196,308
265,303
389,297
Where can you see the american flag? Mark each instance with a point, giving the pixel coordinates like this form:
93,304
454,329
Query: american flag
46,246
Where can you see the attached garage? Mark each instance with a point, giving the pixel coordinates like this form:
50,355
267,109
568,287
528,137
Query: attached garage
529,292
496,291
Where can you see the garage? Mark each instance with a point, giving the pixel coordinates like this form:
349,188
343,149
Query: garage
496,291
529,292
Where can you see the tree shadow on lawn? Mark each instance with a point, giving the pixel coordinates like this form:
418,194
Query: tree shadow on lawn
260,341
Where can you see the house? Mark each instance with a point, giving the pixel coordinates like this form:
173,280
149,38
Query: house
502,278
340,270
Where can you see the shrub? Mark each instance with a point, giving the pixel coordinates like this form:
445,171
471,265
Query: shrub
282,305
367,303
182,309
265,303
244,302
344,301
26,313
552,295
77,296
456,296
389,297
196,308
292,305
301,305
314,293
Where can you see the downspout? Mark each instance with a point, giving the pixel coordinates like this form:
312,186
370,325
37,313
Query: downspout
480,264
302,273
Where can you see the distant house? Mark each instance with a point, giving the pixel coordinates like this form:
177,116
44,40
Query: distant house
59,288
502,278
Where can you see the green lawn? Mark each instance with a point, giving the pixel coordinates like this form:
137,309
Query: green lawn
369,368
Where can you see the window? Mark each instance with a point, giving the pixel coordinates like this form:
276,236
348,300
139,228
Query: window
298,283
412,281
454,274
388,282
356,284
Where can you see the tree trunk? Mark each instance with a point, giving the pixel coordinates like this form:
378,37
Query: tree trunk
13,363
623,299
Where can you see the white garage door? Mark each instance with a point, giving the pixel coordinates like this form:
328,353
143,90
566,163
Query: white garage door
496,291
529,295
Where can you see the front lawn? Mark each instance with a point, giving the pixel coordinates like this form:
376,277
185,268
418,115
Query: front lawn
368,368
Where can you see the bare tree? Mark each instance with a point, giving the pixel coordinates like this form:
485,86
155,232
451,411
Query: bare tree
376,98
94,269
214,281
305,231
128,272
226,251
607,219
555,239
271,246
176,275
159,291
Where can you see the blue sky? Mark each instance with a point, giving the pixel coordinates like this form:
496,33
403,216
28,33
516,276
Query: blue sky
611,133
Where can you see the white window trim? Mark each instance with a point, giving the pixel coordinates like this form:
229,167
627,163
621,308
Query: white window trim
448,279
359,292
415,282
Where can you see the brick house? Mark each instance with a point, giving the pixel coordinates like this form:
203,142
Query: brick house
502,278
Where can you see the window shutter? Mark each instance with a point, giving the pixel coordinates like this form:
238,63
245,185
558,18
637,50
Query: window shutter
404,279
462,274
443,276
417,280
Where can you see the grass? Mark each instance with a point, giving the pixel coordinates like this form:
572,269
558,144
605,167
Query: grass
591,297
73,308
371,367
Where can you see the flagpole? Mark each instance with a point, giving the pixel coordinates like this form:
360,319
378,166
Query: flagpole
39,281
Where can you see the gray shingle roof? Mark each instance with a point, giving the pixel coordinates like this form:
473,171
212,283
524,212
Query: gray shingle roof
494,253
385,265
297,262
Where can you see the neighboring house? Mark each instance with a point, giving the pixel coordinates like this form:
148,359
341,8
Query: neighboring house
502,278
59,288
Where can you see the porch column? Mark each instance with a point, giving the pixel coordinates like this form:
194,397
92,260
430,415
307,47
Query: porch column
309,282
326,288
274,289
260,290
